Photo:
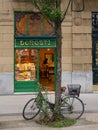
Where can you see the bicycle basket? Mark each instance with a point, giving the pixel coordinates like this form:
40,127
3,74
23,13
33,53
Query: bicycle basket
74,89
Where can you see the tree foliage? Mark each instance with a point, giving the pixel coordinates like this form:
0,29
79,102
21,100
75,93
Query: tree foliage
49,9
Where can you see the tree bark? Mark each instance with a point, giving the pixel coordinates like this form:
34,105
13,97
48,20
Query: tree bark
59,69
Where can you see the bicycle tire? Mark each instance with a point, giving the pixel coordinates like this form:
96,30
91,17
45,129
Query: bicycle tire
72,107
30,110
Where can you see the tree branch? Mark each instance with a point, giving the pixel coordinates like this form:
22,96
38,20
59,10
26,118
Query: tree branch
66,10
36,5
58,4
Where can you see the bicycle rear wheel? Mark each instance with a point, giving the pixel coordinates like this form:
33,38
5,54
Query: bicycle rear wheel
30,109
72,107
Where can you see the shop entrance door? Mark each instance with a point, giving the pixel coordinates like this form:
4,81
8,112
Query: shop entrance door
47,68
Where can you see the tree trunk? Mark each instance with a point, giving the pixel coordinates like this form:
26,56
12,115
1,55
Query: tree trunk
57,112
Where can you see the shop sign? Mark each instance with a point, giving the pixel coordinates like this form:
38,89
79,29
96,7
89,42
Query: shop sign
35,43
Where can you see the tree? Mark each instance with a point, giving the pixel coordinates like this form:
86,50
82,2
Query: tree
51,10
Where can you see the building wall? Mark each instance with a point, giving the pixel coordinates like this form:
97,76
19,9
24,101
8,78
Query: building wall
7,8
77,45
76,48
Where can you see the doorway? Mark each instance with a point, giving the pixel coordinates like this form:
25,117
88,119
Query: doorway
47,68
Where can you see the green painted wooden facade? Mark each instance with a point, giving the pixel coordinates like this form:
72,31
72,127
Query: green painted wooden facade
35,43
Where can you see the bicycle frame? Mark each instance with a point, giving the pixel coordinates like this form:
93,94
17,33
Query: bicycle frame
40,99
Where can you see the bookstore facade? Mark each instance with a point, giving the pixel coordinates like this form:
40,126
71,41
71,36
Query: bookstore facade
28,54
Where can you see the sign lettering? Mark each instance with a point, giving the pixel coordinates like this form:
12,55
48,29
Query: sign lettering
35,43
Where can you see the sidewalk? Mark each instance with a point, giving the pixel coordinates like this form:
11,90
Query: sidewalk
11,107
13,104
87,122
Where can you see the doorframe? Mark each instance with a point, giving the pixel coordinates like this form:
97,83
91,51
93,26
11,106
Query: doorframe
55,65
49,42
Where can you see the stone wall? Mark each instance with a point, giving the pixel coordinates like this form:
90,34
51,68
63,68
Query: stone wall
77,49
7,8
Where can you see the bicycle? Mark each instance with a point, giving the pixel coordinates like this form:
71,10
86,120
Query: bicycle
71,105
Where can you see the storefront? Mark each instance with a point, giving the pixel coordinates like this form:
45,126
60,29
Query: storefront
34,52
23,48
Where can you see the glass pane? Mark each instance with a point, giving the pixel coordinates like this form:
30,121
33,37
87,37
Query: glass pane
97,54
95,21
20,24
49,31
32,24
26,62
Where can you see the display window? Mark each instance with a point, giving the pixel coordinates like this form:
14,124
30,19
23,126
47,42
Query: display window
26,62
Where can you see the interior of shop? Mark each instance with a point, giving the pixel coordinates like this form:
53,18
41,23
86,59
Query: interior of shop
25,68
47,68
27,64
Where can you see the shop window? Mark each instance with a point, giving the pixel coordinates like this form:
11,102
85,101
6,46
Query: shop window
95,22
96,54
25,68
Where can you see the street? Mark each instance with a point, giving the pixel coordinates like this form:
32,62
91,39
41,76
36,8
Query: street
11,107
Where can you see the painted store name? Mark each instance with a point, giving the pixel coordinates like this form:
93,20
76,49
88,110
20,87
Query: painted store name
33,43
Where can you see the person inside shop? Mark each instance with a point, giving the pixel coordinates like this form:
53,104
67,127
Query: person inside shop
45,61
45,64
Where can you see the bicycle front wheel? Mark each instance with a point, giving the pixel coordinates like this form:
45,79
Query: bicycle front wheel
30,109
72,107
